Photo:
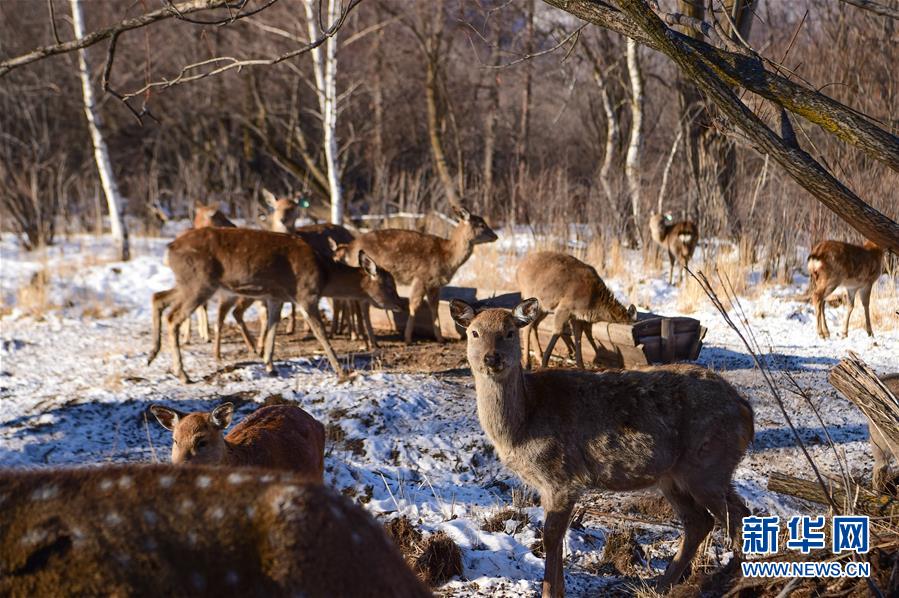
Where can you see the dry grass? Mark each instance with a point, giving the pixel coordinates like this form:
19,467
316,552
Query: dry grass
34,298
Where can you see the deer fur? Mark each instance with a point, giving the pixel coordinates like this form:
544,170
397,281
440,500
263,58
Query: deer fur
161,530
274,437
573,292
681,428
261,264
679,239
832,264
883,454
426,262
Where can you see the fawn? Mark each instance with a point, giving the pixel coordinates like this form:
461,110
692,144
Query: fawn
832,264
161,530
681,428
275,437
426,262
679,239
574,292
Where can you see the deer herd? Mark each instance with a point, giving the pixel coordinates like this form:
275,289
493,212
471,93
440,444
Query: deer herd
251,516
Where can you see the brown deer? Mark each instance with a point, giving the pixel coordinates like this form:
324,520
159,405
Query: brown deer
573,292
832,264
681,428
881,477
426,262
161,530
679,239
265,265
274,437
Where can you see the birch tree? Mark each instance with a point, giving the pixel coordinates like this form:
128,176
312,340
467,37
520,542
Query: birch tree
635,144
101,153
324,65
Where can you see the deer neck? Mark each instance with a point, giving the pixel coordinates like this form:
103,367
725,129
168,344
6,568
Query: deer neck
342,280
235,454
458,247
502,409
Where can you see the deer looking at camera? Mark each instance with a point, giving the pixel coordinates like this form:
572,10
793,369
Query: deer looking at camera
681,428
832,264
679,239
161,530
274,437
426,262
573,292
262,265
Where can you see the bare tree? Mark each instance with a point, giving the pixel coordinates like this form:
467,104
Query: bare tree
635,144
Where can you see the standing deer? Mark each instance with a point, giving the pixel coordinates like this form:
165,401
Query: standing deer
274,437
681,428
881,477
679,239
832,264
264,265
161,530
426,262
572,291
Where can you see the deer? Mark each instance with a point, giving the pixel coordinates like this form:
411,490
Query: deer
275,437
163,530
260,264
679,239
574,292
681,428
881,477
426,262
832,264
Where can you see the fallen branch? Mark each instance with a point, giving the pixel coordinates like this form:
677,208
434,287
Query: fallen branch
862,500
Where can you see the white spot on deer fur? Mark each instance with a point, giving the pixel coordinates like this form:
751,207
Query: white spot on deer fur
45,493
231,578
150,517
267,478
113,518
105,485
237,478
251,512
192,538
125,482
217,513
34,536
186,505
166,481
203,481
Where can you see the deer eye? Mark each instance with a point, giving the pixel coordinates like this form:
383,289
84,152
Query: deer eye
201,443
511,333
474,334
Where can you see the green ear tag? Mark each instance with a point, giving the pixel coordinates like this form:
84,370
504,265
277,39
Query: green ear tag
304,203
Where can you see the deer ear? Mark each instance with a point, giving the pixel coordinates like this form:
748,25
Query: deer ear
332,244
632,313
167,418
461,312
526,312
463,213
368,264
221,415
269,197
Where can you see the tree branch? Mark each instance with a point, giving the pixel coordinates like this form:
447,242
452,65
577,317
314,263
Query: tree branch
884,11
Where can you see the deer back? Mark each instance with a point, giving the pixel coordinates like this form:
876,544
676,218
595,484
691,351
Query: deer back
319,236
839,262
280,437
160,530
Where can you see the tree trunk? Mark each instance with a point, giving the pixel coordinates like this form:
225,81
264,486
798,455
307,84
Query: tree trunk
490,126
865,501
325,67
635,145
521,147
432,81
101,152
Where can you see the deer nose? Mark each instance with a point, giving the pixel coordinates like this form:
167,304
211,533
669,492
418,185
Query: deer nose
493,361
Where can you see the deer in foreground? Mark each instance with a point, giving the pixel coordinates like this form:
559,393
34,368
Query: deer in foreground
679,239
426,262
263,265
161,530
573,292
274,437
832,264
681,428
881,477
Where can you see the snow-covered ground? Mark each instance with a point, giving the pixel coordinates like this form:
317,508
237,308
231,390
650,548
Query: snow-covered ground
74,389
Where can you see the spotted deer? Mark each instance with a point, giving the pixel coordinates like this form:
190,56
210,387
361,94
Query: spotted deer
162,530
678,239
274,437
426,262
264,265
680,428
883,454
832,264
573,292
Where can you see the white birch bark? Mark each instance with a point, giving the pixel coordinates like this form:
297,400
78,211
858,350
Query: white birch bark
635,145
101,153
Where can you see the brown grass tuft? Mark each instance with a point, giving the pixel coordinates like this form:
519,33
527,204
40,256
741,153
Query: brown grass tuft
440,561
499,522
623,551
33,298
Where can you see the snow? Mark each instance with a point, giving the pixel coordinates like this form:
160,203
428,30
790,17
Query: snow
75,387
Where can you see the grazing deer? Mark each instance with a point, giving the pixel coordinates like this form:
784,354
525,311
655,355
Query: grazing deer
881,477
681,428
161,530
265,265
274,437
679,239
426,262
572,291
832,264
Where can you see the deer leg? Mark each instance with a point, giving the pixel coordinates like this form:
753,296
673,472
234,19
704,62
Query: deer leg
310,313
364,309
225,306
670,269
850,295
415,298
180,312
866,301
203,323
577,329
558,513
263,327
242,306
184,331
559,320
273,309
160,302
434,304
698,522
819,298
